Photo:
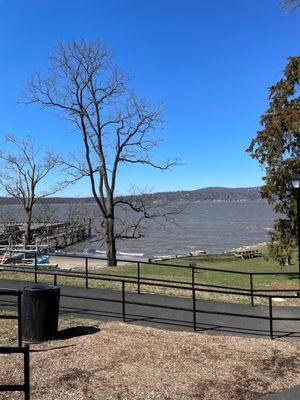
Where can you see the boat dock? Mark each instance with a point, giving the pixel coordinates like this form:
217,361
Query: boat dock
49,236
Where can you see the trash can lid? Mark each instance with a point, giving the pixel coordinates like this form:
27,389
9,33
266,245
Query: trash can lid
40,288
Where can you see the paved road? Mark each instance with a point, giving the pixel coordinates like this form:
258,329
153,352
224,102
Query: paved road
105,305
290,394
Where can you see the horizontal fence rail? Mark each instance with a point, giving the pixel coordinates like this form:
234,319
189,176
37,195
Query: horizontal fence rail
197,269
123,301
25,387
192,287
191,267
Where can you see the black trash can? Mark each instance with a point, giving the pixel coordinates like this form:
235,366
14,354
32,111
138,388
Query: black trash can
40,307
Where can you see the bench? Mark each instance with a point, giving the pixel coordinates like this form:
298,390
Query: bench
247,254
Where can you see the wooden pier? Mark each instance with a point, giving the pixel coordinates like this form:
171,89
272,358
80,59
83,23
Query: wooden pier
48,236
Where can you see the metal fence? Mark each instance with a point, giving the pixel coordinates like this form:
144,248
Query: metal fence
191,287
194,269
16,293
25,387
191,267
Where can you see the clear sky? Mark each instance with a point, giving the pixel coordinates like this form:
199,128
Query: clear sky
210,62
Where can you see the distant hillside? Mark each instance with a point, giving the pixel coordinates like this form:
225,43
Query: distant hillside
205,194
213,194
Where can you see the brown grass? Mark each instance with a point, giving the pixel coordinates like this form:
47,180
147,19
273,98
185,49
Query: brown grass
130,362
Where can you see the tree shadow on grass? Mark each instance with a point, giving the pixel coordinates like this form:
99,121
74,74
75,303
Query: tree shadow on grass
76,331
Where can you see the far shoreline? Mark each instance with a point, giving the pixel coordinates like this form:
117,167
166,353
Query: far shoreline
78,261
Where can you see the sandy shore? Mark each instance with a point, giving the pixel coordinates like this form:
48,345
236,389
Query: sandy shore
74,262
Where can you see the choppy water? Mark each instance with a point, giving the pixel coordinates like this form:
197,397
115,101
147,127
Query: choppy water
211,226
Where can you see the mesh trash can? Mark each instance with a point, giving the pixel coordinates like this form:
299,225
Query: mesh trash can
40,308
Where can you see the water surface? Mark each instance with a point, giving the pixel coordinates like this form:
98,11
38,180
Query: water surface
211,226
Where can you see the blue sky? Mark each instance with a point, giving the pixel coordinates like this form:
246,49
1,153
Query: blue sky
210,62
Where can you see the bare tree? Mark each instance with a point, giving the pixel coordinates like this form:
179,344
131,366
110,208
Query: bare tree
22,173
291,4
45,212
135,214
116,126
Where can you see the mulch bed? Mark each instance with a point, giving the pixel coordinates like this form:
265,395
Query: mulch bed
122,361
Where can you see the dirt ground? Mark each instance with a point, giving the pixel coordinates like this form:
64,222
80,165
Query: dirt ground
75,262
122,361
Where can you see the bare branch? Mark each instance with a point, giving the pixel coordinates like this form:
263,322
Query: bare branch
116,126
23,171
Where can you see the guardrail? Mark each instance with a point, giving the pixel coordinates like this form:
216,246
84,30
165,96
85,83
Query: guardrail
194,269
193,287
25,387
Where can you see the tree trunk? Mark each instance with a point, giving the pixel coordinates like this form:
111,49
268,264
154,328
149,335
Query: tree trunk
111,251
27,238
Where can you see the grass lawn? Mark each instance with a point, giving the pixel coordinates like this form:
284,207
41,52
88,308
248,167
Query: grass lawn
220,261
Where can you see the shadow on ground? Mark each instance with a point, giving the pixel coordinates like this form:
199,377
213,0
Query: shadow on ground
76,331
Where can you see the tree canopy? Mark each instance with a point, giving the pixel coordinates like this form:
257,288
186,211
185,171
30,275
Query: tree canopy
291,3
277,149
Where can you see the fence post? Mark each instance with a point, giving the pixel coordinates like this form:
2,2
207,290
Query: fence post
86,272
138,277
55,278
123,301
194,310
26,373
194,297
271,317
20,318
192,266
35,268
251,289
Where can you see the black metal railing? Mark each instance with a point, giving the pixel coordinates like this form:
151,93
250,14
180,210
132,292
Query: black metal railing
16,293
193,268
25,387
193,287
123,301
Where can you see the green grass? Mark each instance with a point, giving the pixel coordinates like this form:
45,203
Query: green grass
220,261
8,329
